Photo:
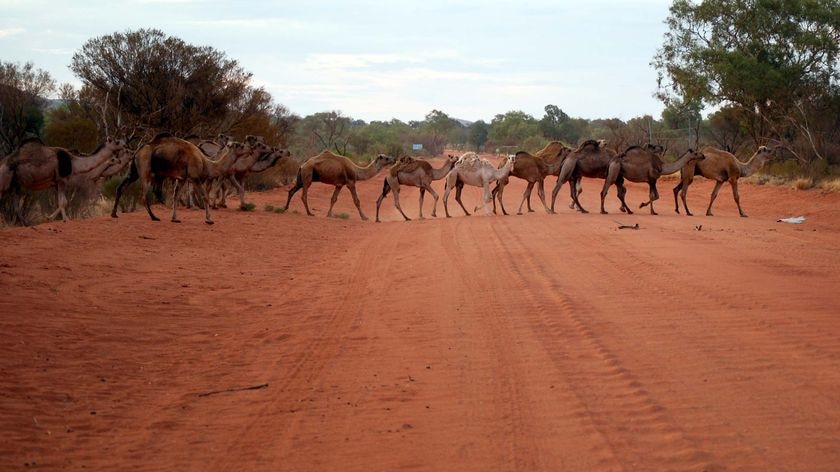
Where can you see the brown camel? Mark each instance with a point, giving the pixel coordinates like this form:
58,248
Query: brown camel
642,164
336,170
533,169
721,167
35,166
270,160
415,173
591,159
477,172
169,157
242,167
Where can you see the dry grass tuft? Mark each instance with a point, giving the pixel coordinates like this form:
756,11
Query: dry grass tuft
830,185
802,183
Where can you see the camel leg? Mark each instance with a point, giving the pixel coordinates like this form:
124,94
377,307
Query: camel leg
579,190
715,191
611,178
737,197
447,188
555,192
352,187
530,187
175,190
458,188
206,198
131,177
239,189
434,194
292,191
17,203
305,197
488,197
422,194
654,195
526,196
574,189
676,201
61,198
541,194
223,191
500,193
396,192
334,199
144,190
497,190
622,192
385,189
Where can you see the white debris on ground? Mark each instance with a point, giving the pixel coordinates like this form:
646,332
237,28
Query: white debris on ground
797,220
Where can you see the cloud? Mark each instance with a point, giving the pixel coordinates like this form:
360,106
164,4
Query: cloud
55,51
5,32
249,23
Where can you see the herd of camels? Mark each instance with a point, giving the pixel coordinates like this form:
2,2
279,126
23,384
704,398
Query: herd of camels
213,168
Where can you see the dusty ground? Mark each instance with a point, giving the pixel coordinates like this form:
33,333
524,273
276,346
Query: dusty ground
531,342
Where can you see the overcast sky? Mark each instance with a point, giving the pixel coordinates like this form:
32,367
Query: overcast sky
378,60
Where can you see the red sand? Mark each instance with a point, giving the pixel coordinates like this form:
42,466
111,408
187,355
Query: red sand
535,342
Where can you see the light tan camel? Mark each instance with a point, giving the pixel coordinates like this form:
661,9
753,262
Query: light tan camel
533,169
414,173
591,159
477,172
721,167
336,170
169,157
642,164
35,166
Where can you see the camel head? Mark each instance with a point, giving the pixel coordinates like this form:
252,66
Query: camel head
694,155
383,160
223,139
767,153
114,145
657,149
252,140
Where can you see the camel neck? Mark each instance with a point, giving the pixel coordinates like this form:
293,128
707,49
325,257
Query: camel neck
441,171
751,166
92,163
366,172
670,167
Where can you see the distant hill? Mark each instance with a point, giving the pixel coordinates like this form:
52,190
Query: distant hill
464,123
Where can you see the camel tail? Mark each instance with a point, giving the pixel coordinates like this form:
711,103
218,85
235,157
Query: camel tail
298,180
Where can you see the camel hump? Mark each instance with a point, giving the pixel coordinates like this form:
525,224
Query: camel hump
161,135
65,162
588,143
32,139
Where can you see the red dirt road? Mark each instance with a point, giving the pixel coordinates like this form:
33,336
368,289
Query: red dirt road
536,342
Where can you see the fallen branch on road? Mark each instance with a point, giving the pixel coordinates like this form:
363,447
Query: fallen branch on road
233,389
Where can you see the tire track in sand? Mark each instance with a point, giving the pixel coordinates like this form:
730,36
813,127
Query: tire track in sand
638,429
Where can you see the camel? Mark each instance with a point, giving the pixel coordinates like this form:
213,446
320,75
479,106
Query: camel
270,160
35,166
591,159
242,167
415,173
168,157
642,164
477,172
533,169
721,166
333,169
